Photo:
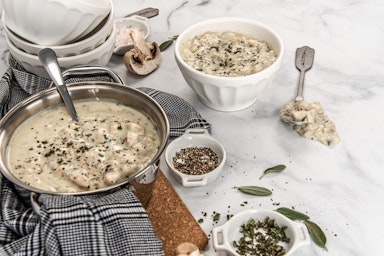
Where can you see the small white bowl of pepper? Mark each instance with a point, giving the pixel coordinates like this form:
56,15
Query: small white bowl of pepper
260,232
195,158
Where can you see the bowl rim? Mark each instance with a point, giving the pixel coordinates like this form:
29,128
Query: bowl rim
142,22
190,134
136,19
182,37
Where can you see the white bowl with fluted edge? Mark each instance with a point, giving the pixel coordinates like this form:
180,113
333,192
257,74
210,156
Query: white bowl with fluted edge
54,22
92,40
224,236
229,93
98,56
195,137
138,22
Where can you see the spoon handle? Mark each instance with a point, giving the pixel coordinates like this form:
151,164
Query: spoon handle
304,61
146,12
49,60
300,89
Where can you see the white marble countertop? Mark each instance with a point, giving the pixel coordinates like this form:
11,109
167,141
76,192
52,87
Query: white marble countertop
340,188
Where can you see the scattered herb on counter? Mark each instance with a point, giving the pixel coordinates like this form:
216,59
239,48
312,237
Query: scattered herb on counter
164,45
254,190
262,238
216,217
277,168
244,203
316,233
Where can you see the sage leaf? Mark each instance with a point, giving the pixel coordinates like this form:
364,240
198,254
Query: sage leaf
164,45
255,190
277,168
292,214
316,234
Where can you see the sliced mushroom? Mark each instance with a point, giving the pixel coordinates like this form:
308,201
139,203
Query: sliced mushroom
144,57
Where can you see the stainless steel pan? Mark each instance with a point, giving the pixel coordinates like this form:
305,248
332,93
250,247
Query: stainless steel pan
143,180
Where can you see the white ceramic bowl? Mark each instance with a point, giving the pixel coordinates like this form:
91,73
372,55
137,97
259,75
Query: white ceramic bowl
98,56
97,36
229,93
54,22
122,25
195,138
223,236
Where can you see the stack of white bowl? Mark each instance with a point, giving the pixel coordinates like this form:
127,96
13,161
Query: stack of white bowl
81,32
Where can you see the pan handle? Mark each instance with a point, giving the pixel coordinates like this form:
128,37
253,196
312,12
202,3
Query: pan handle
91,71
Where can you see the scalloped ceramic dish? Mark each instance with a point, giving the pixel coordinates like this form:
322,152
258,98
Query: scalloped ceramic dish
39,21
195,138
229,93
224,236
98,56
88,43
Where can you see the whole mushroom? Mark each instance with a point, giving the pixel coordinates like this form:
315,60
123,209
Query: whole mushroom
144,57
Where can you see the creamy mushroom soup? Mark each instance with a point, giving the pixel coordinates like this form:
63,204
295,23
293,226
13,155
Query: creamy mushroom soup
227,54
309,120
110,143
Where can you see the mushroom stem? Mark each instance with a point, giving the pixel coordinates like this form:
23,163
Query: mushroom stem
144,57
140,43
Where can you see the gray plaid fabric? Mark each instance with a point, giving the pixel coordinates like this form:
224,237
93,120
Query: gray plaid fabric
102,224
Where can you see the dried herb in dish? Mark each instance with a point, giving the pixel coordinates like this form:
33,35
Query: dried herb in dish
261,238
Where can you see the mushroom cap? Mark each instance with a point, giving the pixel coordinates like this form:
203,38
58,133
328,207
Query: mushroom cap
139,65
144,57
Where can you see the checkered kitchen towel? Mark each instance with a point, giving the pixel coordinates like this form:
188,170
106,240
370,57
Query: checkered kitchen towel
102,224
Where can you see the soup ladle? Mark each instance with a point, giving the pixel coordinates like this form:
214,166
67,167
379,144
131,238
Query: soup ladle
49,60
